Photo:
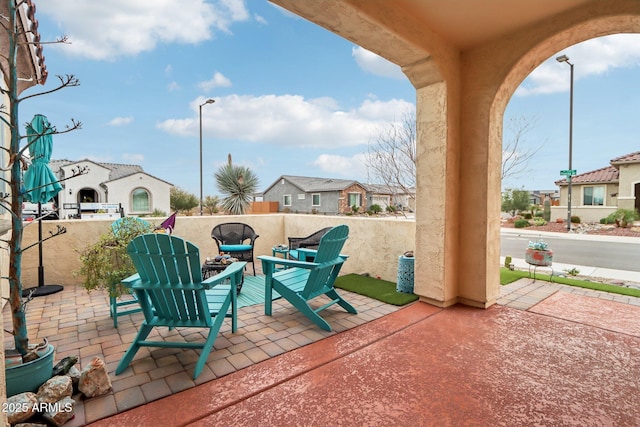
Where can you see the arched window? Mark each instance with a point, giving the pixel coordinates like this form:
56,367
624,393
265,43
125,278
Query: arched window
141,200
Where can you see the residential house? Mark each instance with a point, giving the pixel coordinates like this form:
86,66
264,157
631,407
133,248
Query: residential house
537,197
107,187
596,194
317,195
390,195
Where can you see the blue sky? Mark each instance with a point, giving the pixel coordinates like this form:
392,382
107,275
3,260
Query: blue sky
291,97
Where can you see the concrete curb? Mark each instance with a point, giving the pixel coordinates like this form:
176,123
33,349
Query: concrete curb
573,236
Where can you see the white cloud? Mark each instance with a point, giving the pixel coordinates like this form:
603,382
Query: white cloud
375,64
218,80
259,19
290,120
335,165
173,86
107,29
590,58
120,121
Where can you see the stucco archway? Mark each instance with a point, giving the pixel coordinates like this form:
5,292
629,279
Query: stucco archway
465,67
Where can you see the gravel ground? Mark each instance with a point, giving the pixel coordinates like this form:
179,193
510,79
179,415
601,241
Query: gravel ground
606,230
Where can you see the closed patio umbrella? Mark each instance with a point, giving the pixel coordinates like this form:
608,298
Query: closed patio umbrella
41,184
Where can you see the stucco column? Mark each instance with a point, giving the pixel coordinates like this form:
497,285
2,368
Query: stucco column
437,216
480,149
458,182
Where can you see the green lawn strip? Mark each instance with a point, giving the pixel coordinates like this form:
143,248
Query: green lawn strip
507,276
371,287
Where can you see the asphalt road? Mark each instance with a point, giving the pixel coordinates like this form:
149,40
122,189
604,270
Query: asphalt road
587,251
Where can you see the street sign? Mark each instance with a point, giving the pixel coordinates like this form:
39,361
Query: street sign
568,172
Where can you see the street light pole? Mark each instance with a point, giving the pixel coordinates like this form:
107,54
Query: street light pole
565,58
208,101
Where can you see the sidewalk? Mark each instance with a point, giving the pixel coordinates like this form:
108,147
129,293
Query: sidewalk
586,272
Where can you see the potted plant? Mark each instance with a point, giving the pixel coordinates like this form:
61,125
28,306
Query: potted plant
538,253
23,59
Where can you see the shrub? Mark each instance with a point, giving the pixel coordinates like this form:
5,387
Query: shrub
539,221
527,215
547,210
571,271
539,214
622,217
392,209
507,261
521,223
376,208
575,220
106,262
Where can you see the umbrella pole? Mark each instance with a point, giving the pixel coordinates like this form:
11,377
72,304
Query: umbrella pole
42,289
40,266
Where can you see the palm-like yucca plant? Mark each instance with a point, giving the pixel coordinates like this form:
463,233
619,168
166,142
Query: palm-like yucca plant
237,184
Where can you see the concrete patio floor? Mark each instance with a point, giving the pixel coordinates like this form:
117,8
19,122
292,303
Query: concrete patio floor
543,357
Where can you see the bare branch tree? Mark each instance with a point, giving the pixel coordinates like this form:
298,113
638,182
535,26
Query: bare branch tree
516,153
391,158
22,41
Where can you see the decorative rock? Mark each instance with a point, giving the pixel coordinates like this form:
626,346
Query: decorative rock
21,407
94,380
60,412
74,373
55,389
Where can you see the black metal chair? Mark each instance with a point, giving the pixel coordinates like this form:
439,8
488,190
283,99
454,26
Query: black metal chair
236,239
310,242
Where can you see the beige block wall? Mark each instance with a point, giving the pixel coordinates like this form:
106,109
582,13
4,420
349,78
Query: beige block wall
374,244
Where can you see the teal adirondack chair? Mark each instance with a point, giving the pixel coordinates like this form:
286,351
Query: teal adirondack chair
171,292
303,281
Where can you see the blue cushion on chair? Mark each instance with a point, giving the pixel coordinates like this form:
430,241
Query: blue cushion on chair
235,248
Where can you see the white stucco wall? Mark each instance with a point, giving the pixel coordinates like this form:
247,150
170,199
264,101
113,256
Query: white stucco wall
121,191
116,191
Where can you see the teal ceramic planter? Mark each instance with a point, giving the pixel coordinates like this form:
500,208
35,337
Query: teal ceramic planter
405,275
31,375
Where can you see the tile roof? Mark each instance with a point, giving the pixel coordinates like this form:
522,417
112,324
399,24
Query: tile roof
35,40
385,189
116,170
627,158
607,174
310,184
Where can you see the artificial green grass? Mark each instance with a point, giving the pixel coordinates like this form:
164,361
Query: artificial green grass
371,287
507,276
